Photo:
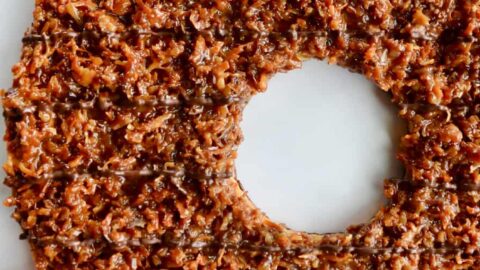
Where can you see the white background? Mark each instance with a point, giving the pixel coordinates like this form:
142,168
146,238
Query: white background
317,145
15,17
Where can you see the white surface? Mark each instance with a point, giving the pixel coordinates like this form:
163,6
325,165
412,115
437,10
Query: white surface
15,18
318,145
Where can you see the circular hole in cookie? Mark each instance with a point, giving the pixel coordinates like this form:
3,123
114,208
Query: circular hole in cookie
317,147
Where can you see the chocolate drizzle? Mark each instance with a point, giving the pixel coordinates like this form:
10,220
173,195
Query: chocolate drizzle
92,34
201,245
455,186
65,174
137,103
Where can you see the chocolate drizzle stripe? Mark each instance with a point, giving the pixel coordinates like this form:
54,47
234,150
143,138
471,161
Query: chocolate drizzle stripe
202,245
363,250
436,185
32,38
61,174
136,103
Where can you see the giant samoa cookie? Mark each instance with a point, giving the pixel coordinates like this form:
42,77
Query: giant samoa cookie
123,126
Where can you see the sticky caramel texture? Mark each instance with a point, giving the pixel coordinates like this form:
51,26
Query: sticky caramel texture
123,128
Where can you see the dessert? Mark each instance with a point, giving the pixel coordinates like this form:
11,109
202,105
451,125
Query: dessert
123,126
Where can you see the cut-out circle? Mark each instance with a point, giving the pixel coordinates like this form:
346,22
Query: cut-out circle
316,158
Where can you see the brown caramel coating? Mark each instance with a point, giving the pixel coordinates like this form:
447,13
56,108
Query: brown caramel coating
123,125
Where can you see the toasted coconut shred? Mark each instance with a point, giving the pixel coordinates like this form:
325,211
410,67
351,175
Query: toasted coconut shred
123,128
